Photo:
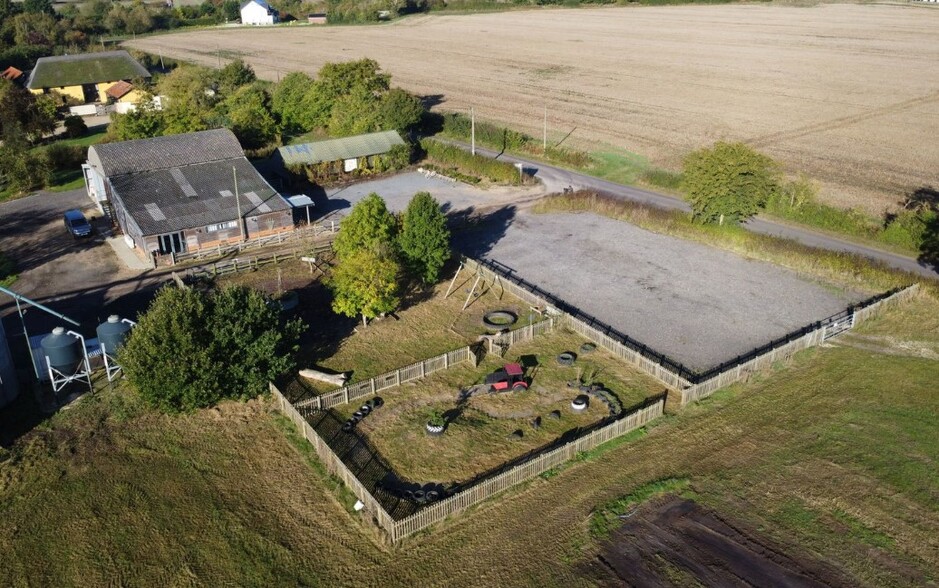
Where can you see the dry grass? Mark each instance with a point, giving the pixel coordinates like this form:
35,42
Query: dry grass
427,325
835,454
844,93
479,438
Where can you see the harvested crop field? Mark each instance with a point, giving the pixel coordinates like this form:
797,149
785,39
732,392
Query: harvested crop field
848,94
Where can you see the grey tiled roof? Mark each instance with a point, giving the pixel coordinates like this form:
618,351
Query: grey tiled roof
166,152
85,68
337,149
161,201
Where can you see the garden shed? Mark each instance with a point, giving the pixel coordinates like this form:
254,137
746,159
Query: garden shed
335,157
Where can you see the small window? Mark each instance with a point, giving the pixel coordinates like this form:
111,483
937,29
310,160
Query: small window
221,226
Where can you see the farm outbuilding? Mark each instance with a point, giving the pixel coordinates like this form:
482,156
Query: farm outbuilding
339,156
174,194
258,12
86,77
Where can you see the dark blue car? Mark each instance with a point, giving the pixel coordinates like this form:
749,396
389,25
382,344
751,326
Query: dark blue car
76,223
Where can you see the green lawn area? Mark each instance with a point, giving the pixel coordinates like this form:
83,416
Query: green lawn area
833,455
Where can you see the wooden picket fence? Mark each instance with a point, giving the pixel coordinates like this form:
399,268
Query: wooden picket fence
301,233
672,380
523,472
810,339
333,463
398,530
388,380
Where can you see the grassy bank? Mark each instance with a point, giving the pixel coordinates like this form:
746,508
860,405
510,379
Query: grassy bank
841,268
833,454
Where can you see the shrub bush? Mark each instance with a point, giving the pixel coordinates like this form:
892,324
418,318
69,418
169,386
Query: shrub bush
467,163
75,126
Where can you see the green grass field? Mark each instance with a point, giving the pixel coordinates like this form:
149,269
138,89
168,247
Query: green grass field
835,454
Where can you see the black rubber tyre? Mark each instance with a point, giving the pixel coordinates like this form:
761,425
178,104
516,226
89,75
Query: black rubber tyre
580,403
377,401
499,319
588,347
567,358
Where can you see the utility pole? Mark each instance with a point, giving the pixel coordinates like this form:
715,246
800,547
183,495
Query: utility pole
473,130
544,146
241,224
218,52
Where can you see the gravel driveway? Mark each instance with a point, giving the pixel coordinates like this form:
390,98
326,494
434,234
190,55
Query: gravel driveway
696,304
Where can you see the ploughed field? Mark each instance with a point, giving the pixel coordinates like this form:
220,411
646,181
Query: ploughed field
848,94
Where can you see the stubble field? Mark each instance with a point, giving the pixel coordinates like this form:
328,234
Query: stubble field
846,93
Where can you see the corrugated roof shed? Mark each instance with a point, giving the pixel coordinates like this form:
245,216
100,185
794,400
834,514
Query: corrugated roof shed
85,68
165,152
170,200
339,149
178,182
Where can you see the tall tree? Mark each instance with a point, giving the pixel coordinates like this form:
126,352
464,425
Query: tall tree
235,75
729,181
289,102
23,116
248,114
369,227
365,283
231,344
424,240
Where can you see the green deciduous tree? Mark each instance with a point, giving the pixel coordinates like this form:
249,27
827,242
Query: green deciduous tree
248,114
192,349
369,227
235,75
399,110
143,123
23,116
365,283
729,181
22,170
289,101
424,240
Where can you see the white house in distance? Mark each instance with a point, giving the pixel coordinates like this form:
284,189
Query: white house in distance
257,12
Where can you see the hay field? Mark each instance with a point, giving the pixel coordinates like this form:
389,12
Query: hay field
846,93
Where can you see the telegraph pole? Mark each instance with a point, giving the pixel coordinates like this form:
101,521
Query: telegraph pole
544,146
473,130
241,224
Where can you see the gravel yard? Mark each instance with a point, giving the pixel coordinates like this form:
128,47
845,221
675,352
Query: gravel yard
696,304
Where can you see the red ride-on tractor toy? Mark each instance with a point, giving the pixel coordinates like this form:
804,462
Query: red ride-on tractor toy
510,377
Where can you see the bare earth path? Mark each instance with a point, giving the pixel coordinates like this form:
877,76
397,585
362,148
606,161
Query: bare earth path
846,93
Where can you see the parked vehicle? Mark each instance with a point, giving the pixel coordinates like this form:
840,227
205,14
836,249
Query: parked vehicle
510,377
76,223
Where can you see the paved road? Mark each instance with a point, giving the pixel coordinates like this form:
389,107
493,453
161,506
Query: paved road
556,179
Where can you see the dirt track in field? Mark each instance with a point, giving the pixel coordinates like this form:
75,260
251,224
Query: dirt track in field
846,93
675,541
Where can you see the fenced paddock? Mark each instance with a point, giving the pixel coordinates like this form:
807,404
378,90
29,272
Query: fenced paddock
640,356
398,530
812,338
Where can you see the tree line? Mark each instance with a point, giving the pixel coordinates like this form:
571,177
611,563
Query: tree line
343,99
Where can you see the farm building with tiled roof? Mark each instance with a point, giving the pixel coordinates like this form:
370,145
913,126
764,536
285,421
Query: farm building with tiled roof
85,77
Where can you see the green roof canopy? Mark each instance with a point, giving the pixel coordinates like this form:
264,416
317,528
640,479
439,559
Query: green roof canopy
85,68
339,149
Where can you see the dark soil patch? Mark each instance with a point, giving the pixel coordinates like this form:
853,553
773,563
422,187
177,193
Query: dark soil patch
672,539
